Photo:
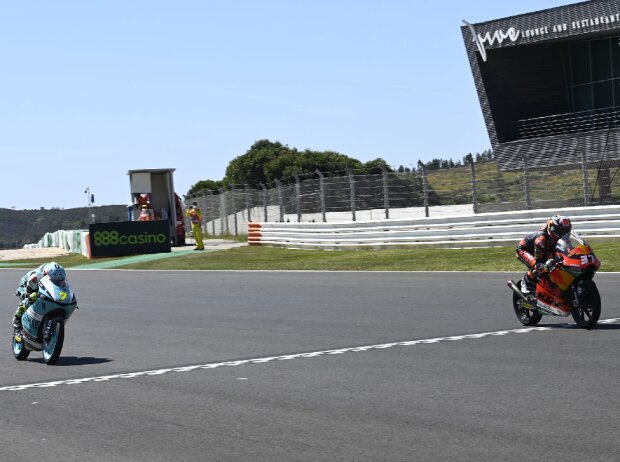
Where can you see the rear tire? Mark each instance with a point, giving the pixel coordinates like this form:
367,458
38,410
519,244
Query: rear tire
525,316
19,350
53,346
587,313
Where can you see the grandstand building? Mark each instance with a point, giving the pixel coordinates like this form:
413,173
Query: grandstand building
549,85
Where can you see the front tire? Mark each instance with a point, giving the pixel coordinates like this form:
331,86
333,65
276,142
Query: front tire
525,316
53,346
19,349
589,310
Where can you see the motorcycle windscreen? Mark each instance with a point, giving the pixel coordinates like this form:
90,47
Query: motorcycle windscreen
59,294
577,254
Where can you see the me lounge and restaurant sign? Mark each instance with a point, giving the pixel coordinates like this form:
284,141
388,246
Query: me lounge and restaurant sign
495,38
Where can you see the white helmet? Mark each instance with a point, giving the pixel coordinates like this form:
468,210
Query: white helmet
56,273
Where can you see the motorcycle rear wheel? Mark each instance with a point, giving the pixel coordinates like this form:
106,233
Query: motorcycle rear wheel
587,313
19,350
525,316
53,346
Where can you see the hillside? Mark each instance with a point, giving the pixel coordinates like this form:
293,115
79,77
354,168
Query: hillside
19,227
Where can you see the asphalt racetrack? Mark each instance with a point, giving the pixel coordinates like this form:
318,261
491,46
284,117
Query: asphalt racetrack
283,366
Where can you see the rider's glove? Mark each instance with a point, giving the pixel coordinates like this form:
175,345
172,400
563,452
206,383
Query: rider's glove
549,264
539,268
33,297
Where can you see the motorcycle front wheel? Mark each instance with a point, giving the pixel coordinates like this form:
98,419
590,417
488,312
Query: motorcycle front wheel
19,349
53,346
589,310
525,316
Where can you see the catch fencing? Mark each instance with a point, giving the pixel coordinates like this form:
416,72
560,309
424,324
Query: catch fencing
474,187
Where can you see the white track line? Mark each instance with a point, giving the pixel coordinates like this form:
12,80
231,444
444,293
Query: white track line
313,354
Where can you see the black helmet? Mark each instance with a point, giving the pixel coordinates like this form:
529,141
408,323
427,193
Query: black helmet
558,226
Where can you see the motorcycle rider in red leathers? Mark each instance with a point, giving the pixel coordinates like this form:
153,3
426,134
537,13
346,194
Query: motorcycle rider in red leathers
536,250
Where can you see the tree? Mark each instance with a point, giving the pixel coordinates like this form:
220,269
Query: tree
203,186
267,161
375,167
253,167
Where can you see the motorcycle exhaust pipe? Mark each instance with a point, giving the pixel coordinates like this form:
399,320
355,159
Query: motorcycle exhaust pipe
516,290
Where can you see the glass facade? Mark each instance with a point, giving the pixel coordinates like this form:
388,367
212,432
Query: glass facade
595,74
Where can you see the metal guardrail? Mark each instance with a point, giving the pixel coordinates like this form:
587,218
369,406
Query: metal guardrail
476,230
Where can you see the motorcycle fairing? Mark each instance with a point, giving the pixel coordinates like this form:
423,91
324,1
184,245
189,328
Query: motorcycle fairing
31,328
562,278
577,255
550,298
60,295
31,322
549,309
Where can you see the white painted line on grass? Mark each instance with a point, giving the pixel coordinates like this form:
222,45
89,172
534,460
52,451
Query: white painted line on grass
267,359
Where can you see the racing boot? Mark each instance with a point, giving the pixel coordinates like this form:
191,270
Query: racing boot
527,285
17,319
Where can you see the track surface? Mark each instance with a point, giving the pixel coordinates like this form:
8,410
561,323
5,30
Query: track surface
364,390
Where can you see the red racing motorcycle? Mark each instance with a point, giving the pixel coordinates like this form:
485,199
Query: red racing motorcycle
565,289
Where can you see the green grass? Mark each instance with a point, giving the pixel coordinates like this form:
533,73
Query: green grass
67,261
400,259
268,258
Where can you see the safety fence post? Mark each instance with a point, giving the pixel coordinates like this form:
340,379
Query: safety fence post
234,207
211,203
386,192
526,183
352,190
264,188
474,192
280,200
322,193
223,214
587,195
297,197
248,204
424,186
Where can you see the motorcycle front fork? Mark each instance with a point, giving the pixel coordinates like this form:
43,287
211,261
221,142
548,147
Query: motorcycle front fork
577,294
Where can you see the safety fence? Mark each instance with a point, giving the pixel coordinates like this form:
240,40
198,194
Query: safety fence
475,187
488,229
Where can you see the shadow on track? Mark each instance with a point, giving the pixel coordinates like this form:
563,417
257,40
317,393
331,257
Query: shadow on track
76,361
575,326
607,327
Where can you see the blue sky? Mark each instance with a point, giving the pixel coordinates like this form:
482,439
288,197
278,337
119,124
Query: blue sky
92,89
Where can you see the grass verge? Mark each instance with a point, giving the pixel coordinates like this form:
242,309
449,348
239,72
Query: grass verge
401,259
